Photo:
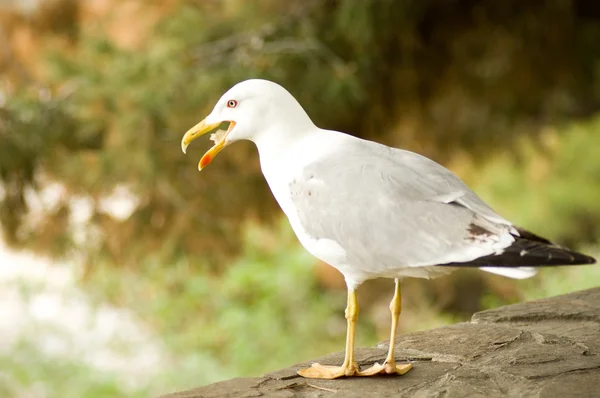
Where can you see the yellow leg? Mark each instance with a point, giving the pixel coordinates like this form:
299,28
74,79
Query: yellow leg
349,367
389,366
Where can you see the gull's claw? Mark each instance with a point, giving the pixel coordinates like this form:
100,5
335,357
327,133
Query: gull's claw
388,368
318,371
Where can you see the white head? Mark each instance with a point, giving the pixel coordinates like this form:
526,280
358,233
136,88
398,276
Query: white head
255,109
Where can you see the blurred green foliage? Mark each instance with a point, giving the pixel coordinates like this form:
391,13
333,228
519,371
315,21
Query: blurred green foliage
505,93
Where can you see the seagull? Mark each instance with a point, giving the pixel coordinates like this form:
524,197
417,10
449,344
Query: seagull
369,210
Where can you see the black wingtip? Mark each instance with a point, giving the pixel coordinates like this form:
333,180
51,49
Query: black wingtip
574,257
530,250
585,259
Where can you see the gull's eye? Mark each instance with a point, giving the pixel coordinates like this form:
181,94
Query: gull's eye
232,103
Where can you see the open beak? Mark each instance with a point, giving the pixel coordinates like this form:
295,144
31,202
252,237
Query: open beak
201,129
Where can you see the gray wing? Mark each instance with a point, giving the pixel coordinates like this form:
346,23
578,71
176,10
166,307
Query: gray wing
390,208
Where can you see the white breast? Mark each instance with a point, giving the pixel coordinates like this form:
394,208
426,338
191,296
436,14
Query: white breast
281,165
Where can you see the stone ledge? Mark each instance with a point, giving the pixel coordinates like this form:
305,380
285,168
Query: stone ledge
543,348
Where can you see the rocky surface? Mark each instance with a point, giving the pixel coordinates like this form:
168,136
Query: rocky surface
544,348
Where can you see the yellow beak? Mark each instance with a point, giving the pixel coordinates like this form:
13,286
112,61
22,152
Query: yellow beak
199,130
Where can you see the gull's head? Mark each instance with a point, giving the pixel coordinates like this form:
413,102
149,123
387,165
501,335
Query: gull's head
253,108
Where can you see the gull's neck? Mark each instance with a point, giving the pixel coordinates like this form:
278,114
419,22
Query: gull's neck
284,153
285,150
279,143
288,126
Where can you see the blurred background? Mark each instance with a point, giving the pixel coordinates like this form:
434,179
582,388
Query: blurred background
125,272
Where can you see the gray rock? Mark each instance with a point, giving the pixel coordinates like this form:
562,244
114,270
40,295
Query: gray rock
544,348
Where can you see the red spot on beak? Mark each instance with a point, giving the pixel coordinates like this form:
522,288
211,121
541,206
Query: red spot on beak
205,161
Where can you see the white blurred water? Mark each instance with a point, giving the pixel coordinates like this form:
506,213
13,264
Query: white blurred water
41,307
